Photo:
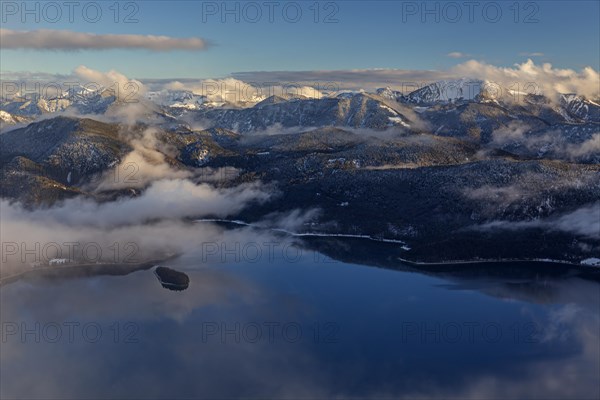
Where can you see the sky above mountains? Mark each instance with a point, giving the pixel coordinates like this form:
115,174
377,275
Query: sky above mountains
198,39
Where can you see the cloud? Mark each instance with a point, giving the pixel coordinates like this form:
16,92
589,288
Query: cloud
250,87
29,76
584,221
164,199
588,148
144,165
169,197
82,80
527,77
457,54
339,80
121,86
534,78
50,39
533,54
106,79
292,221
519,137
152,224
233,90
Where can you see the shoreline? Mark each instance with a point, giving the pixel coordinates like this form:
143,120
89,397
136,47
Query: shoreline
498,261
126,268
404,247
305,234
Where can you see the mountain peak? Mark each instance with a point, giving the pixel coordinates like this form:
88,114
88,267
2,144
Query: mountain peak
446,91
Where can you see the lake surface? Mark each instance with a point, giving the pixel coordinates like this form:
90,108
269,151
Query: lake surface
300,325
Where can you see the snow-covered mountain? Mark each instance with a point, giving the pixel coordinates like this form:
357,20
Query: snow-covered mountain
34,106
80,99
66,145
357,110
177,99
455,108
7,119
278,99
389,93
446,91
580,107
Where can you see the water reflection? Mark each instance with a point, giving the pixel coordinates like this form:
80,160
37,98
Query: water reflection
309,328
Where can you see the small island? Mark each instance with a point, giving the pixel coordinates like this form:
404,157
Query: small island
171,279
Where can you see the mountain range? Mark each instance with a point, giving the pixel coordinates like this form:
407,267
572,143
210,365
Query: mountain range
452,172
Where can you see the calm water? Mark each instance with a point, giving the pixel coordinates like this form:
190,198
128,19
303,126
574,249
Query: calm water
305,328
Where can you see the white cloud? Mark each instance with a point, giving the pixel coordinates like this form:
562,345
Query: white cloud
457,54
531,54
164,199
554,142
534,78
527,77
584,221
236,91
356,79
119,84
153,221
50,39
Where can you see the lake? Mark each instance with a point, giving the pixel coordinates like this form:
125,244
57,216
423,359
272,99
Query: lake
294,323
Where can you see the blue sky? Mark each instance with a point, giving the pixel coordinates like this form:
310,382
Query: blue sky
376,34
